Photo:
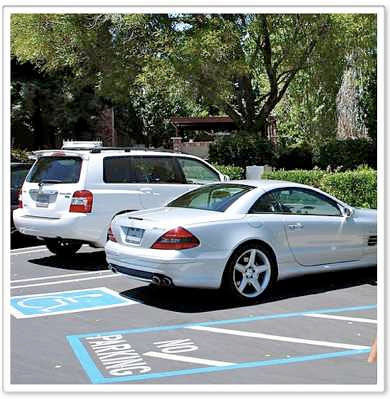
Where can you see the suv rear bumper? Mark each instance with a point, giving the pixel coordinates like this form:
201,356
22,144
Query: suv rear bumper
75,226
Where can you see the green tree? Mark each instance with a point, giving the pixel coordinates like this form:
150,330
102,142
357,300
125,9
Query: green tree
242,65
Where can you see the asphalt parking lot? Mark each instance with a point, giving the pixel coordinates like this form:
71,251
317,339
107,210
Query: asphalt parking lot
75,322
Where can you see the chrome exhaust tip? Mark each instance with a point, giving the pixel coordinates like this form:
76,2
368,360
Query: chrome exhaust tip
166,282
112,269
156,280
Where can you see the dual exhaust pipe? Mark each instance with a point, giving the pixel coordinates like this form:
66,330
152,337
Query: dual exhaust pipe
161,281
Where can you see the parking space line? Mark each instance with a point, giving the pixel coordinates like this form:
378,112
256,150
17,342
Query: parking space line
187,359
29,252
231,321
60,276
328,316
28,248
97,378
63,281
277,337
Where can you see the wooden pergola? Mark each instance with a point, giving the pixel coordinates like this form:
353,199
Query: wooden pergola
217,123
210,123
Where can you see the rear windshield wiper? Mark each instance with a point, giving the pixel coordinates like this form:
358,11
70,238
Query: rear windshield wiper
49,181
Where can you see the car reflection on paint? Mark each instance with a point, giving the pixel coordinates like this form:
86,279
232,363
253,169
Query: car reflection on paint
242,236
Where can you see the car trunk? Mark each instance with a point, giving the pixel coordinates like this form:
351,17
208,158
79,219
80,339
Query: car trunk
143,228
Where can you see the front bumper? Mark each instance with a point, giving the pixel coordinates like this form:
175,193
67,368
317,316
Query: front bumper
186,268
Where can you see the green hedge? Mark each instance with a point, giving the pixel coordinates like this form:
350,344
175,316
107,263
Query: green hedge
309,177
234,172
356,188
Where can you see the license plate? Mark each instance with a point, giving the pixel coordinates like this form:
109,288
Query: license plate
43,200
134,235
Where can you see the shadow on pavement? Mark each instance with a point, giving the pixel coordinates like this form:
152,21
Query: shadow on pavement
189,300
19,240
86,261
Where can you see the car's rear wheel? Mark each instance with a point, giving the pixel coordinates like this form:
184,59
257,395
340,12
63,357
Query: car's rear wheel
64,248
250,273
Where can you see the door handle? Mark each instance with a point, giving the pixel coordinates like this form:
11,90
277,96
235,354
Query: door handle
296,226
146,190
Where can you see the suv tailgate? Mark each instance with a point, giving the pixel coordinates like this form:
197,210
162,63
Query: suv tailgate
49,187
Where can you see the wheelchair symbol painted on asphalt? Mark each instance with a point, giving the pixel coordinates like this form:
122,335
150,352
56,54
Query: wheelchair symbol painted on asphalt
58,302
66,302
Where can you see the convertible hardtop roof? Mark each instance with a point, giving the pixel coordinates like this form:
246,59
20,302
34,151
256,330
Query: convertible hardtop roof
268,184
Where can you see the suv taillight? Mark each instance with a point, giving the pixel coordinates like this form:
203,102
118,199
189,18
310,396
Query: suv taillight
110,235
20,199
178,238
81,202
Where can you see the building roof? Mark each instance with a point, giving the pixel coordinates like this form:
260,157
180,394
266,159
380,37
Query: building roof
207,123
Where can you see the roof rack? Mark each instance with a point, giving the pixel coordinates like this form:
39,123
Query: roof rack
125,149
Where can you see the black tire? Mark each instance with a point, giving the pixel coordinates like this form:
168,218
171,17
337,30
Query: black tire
63,248
233,278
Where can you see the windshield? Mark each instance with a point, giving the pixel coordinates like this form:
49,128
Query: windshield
215,197
56,170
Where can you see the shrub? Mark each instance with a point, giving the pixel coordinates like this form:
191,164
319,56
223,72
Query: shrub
234,172
298,156
18,155
242,150
347,154
309,177
356,188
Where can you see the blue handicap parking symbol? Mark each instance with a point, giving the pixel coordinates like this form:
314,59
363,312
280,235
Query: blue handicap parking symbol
66,302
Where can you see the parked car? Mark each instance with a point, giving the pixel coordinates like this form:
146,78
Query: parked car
71,195
19,172
242,236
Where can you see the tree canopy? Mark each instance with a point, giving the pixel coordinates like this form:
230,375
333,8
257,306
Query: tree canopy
244,65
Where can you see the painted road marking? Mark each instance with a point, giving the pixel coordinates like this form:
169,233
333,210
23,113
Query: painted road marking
63,281
328,316
98,373
187,359
277,338
55,303
60,276
29,250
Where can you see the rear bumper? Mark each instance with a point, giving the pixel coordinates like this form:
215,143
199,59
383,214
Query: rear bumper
186,268
74,226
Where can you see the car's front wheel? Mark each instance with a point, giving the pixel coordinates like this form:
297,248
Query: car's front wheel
64,248
250,273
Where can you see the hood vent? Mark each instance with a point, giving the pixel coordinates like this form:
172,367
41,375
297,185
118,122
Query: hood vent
372,241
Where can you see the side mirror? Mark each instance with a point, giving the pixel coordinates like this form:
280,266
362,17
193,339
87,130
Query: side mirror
348,212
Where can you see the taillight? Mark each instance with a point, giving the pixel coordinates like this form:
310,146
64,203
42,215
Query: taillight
178,238
81,202
20,199
110,235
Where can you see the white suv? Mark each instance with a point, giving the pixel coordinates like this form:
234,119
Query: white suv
71,195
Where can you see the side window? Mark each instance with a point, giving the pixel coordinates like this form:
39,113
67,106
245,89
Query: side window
118,170
267,203
306,202
196,172
18,175
156,170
